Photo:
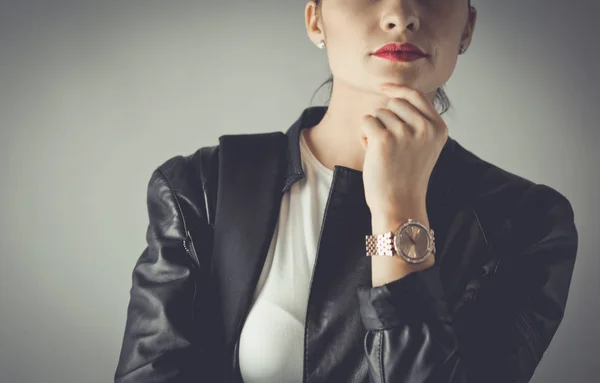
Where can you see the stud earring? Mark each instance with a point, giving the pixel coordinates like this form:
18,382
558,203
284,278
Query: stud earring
462,49
321,44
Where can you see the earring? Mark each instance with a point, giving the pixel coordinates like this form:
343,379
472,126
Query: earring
321,44
462,49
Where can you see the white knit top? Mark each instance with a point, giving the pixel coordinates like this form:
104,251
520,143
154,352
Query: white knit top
271,348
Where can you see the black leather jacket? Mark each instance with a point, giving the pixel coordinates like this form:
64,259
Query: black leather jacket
486,312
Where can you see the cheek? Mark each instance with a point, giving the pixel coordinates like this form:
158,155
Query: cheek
446,42
445,66
447,23
349,46
347,23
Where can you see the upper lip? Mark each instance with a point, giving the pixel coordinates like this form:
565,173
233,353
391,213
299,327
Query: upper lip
397,47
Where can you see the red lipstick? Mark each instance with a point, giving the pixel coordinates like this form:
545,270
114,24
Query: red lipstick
400,52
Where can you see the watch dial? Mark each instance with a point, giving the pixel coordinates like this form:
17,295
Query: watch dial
412,241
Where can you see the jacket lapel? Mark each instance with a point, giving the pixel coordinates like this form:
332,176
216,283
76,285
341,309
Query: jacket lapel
251,177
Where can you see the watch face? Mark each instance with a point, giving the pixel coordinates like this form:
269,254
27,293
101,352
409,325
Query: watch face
412,241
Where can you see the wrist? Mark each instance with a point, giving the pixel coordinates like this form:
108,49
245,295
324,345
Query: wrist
384,223
413,253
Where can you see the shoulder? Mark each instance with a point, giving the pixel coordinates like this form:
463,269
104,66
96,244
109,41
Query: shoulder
184,167
502,199
185,182
189,173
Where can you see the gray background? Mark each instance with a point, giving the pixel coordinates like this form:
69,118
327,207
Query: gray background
95,94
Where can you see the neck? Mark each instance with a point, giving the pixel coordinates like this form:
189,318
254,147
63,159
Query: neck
336,139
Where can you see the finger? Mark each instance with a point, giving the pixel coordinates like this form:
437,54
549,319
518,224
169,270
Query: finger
409,115
416,98
373,129
393,122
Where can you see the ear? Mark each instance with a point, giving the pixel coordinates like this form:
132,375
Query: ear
313,22
470,27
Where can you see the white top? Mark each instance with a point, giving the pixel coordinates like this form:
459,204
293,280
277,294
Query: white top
271,348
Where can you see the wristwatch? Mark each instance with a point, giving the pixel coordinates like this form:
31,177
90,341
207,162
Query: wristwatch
413,242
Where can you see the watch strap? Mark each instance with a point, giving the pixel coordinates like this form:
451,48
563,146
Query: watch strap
380,244
384,244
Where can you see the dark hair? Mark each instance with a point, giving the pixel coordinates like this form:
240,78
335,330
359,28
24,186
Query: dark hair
441,99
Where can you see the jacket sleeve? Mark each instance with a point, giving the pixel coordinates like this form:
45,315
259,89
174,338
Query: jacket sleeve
505,320
161,341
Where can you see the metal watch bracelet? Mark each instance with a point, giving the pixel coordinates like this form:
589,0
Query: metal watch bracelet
391,243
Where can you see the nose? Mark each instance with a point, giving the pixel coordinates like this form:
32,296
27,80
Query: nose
401,15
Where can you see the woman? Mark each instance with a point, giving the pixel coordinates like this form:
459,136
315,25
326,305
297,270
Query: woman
364,245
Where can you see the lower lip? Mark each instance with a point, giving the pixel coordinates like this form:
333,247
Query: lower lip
399,56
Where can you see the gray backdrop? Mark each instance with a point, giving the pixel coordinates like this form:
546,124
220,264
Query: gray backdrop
95,94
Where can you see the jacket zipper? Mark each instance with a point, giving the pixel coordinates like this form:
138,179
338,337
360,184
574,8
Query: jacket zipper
312,276
188,245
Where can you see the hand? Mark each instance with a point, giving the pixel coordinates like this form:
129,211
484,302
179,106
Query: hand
403,142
